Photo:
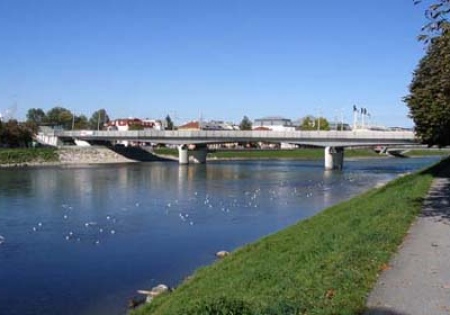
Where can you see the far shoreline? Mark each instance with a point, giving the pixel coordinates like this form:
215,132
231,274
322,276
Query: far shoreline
99,155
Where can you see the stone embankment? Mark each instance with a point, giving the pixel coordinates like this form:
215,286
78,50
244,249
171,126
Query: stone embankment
71,155
90,155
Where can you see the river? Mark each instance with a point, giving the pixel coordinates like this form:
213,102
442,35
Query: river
81,240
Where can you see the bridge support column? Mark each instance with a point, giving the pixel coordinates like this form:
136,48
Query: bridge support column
334,158
183,157
199,153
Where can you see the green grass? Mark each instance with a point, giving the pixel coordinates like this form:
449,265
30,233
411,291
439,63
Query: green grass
301,154
426,152
320,266
28,155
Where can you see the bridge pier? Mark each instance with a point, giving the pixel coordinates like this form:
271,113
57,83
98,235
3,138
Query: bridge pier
183,157
334,158
199,153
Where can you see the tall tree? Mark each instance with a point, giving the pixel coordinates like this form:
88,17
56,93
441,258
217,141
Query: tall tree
245,124
437,19
60,116
169,123
429,97
80,122
98,119
36,116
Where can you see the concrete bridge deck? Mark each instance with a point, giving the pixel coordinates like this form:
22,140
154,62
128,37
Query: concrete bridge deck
315,138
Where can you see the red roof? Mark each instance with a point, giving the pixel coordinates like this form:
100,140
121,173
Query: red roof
190,125
260,128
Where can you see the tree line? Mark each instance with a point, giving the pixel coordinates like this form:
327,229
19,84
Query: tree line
20,134
60,116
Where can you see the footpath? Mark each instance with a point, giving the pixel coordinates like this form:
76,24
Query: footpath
417,281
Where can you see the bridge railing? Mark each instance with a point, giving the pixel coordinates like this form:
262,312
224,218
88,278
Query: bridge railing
186,134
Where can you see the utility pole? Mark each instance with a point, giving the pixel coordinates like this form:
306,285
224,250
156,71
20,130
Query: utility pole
318,119
355,117
98,120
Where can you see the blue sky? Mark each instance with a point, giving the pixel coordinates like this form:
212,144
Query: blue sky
218,59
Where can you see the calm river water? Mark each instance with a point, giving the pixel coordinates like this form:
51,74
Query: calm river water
82,240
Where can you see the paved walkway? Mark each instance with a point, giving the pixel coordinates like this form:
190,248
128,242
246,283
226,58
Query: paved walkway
418,282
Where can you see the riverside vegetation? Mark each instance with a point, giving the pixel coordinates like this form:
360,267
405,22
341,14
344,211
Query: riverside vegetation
323,265
304,154
28,155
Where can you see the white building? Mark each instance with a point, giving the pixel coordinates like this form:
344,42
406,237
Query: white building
274,123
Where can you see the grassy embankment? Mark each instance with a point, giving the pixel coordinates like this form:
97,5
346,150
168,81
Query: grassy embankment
303,154
425,152
323,265
306,154
29,155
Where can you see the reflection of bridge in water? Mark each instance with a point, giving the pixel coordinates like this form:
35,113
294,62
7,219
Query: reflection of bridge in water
334,142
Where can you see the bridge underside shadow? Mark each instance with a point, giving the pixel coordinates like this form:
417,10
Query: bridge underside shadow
138,154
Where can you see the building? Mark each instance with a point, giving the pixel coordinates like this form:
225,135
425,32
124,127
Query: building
192,125
209,125
125,124
274,123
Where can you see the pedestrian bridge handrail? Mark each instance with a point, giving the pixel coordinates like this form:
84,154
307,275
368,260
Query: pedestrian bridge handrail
316,138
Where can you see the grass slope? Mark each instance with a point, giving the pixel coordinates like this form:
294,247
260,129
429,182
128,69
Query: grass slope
28,155
323,265
301,154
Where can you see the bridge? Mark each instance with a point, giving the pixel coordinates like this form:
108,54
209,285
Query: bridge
334,142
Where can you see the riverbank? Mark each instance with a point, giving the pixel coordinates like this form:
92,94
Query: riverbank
297,154
324,265
71,155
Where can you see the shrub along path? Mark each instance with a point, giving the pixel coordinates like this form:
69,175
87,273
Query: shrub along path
324,265
417,281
